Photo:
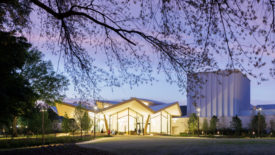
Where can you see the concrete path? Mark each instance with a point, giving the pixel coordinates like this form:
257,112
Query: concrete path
180,145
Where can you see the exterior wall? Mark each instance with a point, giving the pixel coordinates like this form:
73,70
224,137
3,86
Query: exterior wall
220,94
179,125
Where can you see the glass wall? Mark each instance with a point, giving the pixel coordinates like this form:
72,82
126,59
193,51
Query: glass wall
160,123
126,121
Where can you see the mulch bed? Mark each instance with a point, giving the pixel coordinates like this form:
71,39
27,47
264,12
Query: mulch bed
59,149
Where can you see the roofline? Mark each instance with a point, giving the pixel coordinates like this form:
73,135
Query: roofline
124,102
107,101
222,71
74,106
170,106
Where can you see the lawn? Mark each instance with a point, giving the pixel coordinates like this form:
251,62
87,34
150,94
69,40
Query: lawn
146,145
181,145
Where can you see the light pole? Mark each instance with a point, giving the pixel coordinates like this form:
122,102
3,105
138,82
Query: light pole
43,128
198,113
259,119
95,108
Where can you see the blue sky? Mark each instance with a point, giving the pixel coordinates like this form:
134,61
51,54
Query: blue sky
158,90
163,91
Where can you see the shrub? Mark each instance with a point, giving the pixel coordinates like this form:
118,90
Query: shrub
205,126
193,123
258,124
236,125
213,124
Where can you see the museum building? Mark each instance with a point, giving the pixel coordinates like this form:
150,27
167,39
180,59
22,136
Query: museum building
133,116
222,93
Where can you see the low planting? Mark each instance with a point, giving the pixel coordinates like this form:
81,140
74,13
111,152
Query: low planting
26,142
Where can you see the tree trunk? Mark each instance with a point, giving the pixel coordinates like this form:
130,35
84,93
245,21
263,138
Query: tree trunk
81,133
14,128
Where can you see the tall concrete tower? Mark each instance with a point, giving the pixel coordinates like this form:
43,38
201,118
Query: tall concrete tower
220,93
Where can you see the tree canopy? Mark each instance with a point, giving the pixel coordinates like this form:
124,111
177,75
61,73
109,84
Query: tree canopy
26,78
137,38
48,85
17,96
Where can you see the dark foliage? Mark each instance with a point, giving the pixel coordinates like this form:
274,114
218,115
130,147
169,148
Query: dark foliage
17,96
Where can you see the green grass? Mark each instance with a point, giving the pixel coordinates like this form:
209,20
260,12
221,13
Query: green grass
32,141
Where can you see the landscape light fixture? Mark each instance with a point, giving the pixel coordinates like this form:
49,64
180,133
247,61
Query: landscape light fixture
43,128
95,109
198,113
259,119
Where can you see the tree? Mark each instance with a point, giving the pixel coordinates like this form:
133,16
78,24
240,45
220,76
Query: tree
27,78
236,124
213,124
69,125
258,124
222,124
73,126
193,123
186,36
17,95
86,122
47,84
66,124
33,120
205,127
79,117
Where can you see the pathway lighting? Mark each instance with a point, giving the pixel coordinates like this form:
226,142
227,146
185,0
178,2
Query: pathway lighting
95,109
259,119
43,129
198,113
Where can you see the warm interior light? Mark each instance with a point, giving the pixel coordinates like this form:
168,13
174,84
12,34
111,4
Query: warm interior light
146,103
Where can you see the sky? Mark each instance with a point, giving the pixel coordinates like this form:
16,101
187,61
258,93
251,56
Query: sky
159,90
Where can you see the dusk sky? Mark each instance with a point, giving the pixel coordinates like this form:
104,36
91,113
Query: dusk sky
158,90
163,91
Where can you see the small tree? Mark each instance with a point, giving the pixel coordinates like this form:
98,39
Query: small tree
66,124
258,124
205,125
213,124
73,126
236,125
86,122
79,114
193,123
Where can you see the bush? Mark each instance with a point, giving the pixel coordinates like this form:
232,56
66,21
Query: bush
193,123
213,124
258,123
236,125
205,127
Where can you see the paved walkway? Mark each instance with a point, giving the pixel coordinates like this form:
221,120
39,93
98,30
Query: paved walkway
180,145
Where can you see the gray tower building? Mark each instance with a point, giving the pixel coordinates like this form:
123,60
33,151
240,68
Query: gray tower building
221,93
